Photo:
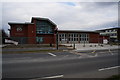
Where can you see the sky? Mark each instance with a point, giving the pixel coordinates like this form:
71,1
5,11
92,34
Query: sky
66,15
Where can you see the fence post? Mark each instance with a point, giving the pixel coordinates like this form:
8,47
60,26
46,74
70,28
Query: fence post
98,41
84,43
74,46
57,40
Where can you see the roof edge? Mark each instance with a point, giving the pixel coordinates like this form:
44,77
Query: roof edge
47,19
19,23
108,29
77,31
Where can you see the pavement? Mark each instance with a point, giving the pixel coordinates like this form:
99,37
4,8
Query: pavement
92,46
12,49
94,50
78,48
96,53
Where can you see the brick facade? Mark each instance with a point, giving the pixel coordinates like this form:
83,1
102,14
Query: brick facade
26,33
43,31
92,36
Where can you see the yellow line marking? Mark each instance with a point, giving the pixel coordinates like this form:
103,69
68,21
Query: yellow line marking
93,51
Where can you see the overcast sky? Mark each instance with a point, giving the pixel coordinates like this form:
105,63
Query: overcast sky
66,15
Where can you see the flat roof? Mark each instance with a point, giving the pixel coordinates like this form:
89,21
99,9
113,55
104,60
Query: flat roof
19,23
76,31
108,28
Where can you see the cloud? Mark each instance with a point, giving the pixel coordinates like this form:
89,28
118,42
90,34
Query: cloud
67,15
105,4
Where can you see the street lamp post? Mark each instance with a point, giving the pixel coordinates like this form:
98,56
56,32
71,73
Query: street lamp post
57,40
84,43
56,31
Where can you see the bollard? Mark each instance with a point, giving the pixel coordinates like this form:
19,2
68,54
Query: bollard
74,46
83,45
50,44
101,45
90,45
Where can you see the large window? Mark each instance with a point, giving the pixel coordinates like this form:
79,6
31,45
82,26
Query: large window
84,38
62,37
73,37
43,27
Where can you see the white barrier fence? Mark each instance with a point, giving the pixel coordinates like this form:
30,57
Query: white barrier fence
11,41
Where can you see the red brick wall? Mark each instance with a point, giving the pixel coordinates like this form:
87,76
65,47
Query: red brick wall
31,30
103,37
34,21
28,31
15,33
47,38
93,37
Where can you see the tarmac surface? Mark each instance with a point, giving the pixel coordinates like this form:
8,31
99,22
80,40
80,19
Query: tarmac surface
71,66
87,63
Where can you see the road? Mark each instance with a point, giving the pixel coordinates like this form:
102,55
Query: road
63,64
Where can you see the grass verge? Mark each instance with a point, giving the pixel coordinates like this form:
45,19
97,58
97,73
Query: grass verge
114,77
33,51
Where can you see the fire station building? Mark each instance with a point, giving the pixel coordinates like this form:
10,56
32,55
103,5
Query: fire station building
43,31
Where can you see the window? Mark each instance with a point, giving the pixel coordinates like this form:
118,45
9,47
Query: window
106,31
39,39
114,30
73,37
43,27
115,34
84,37
63,37
70,37
110,30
